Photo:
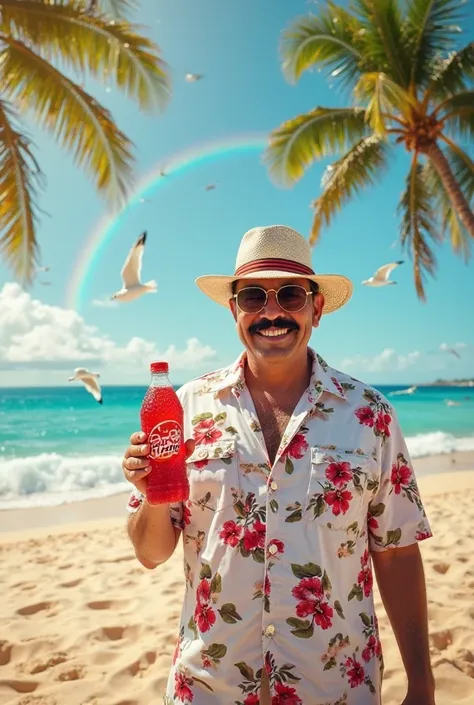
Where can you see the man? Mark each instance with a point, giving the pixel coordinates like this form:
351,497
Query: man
300,482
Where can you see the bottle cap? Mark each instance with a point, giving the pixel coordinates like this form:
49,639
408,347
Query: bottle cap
159,367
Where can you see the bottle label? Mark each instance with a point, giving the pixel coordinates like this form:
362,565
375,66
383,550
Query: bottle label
165,440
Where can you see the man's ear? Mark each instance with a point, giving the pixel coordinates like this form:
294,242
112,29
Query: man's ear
233,308
318,304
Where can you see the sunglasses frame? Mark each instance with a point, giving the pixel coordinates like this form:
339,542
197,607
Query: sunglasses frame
276,292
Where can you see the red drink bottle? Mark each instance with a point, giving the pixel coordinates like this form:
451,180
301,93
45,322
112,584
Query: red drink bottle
161,418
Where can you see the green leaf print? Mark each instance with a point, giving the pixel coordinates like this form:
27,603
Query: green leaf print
365,619
326,583
274,506
294,516
229,613
302,627
339,610
232,430
289,467
192,626
205,571
216,651
220,417
376,510
227,461
308,570
259,555
246,671
355,592
393,537
216,583
201,417
330,664
198,680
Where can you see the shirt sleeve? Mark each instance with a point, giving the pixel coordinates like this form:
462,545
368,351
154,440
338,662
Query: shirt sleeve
396,516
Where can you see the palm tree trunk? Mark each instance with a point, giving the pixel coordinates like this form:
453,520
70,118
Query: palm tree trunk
460,205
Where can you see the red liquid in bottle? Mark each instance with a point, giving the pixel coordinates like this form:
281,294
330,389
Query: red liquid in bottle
161,417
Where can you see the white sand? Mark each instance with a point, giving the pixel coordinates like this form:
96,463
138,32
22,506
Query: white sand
83,623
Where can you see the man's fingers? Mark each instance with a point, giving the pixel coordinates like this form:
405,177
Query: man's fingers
137,451
136,475
136,463
137,438
189,447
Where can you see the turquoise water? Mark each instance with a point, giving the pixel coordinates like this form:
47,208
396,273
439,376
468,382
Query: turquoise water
58,444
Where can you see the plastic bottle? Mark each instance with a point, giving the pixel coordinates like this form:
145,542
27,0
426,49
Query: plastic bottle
161,417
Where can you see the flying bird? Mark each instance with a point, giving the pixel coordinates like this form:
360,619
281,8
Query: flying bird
381,276
210,187
132,287
193,77
89,380
409,390
453,352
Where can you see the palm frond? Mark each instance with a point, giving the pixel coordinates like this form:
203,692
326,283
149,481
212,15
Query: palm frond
112,8
417,225
457,114
20,179
331,40
384,97
383,38
76,120
429,30
452,74
109,50
323,132
344,179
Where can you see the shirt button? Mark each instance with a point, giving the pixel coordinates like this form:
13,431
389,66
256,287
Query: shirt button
274,485
272,549
270,630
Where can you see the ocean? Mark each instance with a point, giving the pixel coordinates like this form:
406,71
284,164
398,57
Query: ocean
57,445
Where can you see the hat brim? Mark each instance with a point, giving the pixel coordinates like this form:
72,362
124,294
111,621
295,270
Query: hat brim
336,289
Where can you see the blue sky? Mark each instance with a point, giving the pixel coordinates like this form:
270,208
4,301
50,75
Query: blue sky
383,336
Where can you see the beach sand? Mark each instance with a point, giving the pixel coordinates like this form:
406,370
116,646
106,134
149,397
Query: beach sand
83,623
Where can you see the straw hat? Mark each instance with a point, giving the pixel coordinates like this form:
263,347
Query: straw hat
276,251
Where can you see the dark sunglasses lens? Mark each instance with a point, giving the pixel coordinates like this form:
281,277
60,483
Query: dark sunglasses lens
292,298
251,299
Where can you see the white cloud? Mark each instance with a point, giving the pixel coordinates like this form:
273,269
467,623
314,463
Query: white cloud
386,361
456,346
37,336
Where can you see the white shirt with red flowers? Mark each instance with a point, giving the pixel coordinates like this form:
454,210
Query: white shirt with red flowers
277,558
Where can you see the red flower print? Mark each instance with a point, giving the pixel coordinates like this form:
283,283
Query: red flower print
321,612
285,695
252,699
206,432
230,533
186,515
203,592
364,558
372,523
134,502
365,415
200,464
366,579
205,617
339,473
369,650
261,530
355,673
279,544
267,586
382,423
337,384
181,687
422,535
251,540
308,589
400,476
297,447
338,500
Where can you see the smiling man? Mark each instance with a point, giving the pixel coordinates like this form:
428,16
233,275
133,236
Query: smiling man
300,486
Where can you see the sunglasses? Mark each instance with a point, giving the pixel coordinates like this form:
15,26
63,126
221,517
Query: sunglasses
290,298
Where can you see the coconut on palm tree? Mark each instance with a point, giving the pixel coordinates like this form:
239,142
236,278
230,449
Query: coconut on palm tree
411,82
47,47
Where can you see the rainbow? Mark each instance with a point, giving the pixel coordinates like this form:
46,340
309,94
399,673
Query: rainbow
178,163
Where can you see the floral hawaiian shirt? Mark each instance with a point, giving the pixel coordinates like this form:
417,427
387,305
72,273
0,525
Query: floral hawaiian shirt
277,558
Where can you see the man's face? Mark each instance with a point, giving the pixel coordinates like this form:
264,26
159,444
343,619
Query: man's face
274,333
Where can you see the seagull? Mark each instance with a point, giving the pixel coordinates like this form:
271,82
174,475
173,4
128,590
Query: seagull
193,77
410,390
89,380
453,352
132,287
381,276
210,187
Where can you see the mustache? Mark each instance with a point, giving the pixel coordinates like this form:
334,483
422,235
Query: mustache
279,322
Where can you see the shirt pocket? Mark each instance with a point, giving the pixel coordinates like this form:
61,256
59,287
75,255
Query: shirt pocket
214,475
337,488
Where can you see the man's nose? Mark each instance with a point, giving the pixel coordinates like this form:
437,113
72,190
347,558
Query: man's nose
272,308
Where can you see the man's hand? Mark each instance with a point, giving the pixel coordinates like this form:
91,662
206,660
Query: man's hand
136,463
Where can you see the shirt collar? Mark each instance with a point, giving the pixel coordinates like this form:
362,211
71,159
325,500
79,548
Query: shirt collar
323,377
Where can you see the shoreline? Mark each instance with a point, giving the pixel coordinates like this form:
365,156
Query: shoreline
106,512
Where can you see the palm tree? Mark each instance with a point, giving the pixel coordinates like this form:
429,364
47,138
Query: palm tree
42,44
412,85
